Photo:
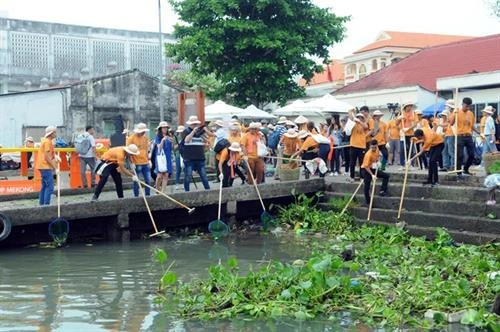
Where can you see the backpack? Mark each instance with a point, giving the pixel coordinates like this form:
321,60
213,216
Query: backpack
274,139
221,145
82,144
61,143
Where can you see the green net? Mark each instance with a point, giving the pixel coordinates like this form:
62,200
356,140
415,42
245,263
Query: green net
218,229
267,220
59,230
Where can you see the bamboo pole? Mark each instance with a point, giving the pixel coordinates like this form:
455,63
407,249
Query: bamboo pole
456,129
404,186
350,199
373,194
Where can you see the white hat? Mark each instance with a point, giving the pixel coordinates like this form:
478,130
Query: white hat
450,103
360,115
408,103
282,120
99,146
131,149
235,127
291,133
140,128
29,139
193,120
163,124
50,130
289,123
488,110
377,113
444,113
219,123
270,126
303,133
235,147
180,129
254,125
418,112
301,120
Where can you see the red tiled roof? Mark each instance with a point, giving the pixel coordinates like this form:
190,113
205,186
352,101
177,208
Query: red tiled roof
336,74
424,67
411,40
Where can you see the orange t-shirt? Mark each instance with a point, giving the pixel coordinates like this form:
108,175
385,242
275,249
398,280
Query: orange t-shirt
371,125
290,145
466,122
394,129
370,158
482,124
143,144
408,121
358,136
115,155
233,139
380,136
249,141
225,154
431,139
45,146
309,144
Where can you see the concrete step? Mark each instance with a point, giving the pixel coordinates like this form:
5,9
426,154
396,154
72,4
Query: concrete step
414,190
444,179
445,207
425,219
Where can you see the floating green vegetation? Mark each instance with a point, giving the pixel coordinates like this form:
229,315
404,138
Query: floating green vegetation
382,275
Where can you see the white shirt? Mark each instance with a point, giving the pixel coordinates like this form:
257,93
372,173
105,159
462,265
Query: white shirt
489,127
90,153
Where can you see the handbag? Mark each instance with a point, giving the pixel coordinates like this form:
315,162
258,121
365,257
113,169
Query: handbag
261,149
161,161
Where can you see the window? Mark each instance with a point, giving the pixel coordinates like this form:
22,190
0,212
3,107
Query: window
362,71
108,127
374,65
382,64
351,69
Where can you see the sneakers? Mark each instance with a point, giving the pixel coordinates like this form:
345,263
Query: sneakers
350,180
491,202
336,174
176,187
384,193
94,199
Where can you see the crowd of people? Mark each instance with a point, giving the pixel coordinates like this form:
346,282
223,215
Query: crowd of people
362,138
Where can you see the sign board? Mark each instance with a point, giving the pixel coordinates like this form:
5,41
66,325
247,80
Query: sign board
14,187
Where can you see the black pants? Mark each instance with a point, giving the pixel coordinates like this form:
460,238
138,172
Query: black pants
368,180
111,169
357,154
347,157
468,143
385,154
423,157
408,152
435,154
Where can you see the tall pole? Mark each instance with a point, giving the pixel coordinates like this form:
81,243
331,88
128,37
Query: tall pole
162,70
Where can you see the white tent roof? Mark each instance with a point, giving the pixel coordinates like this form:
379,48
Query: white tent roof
252,112
221,110
329,104
298,107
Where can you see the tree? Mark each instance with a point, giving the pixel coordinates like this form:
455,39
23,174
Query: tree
190,80
255,48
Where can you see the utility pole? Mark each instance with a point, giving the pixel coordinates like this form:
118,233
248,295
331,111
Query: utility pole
162,61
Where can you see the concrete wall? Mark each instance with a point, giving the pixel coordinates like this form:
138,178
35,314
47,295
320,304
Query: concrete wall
38,109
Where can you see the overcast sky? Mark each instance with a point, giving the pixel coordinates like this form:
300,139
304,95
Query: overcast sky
460,17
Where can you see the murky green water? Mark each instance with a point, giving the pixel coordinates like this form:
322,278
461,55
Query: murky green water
108,287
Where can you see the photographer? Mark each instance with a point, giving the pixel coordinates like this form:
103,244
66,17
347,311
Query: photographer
192,149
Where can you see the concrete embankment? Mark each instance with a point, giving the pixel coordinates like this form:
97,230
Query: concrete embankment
122,219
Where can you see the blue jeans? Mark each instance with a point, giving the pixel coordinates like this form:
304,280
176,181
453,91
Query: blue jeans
449,152
47,186
195,165
178,169
145,170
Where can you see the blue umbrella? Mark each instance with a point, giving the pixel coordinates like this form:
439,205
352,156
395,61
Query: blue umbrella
429,110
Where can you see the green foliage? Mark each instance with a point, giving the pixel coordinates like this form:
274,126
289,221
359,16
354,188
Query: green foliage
494,168
408,276
168,278
303,216
193,81
255,48
338,204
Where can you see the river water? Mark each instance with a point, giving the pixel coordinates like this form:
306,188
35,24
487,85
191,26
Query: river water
110,287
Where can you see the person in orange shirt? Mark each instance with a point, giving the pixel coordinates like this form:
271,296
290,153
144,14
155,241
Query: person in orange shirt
229,158
249,144
380,133
368,170
393,129
140,161
113,163
449,136
370,122
291,144
47,164
423,124
357,141
434,144
465,127
408,122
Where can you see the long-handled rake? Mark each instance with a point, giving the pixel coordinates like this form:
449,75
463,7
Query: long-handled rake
218,228
265,217
156,233
373,194
59,227
350,199
190,210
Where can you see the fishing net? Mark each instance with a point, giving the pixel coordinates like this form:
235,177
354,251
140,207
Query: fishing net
266,219
59,230
218,229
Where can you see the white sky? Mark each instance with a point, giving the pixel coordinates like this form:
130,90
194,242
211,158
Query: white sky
460,17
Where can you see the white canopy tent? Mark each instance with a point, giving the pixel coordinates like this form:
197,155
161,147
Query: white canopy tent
252,112
329,104
298,107
221,110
